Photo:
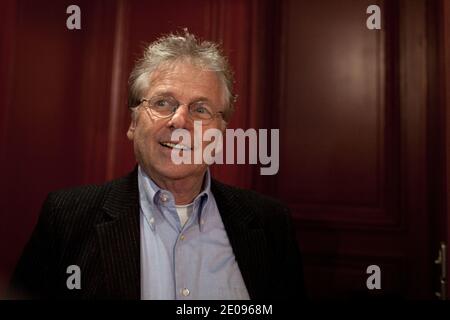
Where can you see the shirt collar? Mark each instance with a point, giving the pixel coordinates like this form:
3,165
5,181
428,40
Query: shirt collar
152,195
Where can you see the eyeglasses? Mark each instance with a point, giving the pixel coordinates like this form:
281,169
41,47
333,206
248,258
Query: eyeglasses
166,106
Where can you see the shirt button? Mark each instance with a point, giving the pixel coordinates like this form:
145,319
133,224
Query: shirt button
164,197
152,220
182,238
185,292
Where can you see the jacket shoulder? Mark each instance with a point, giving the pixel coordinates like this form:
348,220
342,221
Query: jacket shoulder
84,196
79,200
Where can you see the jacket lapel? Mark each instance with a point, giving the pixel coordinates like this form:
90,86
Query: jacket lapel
119,239
247,238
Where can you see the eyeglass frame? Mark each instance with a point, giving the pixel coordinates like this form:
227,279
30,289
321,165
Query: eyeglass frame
204,121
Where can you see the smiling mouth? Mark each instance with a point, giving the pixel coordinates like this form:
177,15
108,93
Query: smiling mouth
171,145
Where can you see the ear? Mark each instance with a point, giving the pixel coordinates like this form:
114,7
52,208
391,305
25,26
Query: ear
132,128
224,125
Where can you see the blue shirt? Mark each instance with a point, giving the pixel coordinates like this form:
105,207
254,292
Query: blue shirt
194,261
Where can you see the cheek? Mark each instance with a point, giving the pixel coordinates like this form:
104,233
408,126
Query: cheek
215,137
143,139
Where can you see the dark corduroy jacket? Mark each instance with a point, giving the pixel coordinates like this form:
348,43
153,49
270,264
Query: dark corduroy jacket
97,229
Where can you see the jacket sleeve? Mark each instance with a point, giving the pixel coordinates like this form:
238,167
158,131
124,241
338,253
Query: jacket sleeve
33,277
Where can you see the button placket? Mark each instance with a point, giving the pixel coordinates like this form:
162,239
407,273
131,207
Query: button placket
180,276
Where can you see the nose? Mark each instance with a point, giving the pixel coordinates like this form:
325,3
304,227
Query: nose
180,119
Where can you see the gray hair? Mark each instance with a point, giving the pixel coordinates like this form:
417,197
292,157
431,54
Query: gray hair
173,48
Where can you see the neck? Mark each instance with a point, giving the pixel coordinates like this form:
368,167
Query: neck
184,190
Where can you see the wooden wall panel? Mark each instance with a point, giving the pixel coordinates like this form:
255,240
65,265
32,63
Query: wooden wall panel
334,142
353,119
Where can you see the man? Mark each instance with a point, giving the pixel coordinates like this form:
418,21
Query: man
165,231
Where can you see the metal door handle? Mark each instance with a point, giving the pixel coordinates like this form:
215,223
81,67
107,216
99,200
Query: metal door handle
442,262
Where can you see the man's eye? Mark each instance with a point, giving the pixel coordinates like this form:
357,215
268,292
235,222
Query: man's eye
162,103
201,109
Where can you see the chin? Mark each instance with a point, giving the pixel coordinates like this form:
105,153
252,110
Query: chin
176,172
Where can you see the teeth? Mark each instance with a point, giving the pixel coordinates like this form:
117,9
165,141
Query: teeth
174,146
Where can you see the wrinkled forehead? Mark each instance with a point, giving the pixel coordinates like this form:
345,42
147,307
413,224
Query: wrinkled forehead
184,79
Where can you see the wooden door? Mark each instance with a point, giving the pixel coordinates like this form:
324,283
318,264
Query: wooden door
355,119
